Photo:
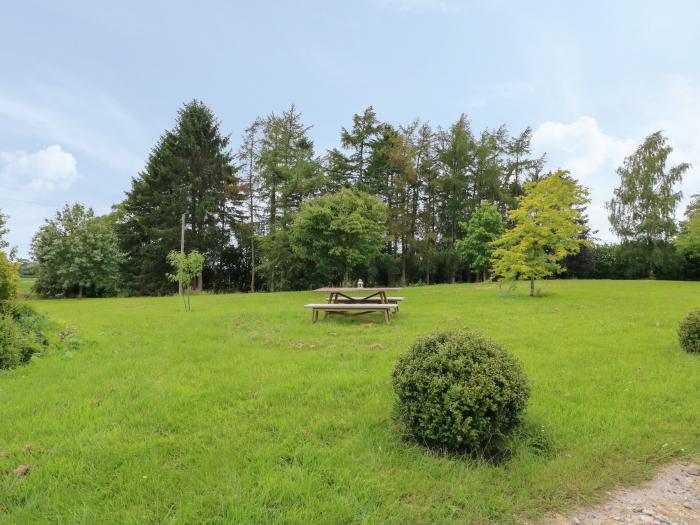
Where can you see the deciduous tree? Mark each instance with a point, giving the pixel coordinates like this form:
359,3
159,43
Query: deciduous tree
547,226
485,226
341,232
77,254
644,204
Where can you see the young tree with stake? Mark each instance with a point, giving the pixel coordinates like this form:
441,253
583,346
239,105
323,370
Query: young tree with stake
187,267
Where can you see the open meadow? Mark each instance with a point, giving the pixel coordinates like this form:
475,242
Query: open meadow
242,411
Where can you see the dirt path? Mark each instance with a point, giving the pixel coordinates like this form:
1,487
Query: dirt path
673,497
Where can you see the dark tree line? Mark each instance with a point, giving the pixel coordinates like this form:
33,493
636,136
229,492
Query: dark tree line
240,205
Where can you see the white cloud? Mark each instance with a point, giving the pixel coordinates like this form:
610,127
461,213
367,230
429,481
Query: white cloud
581,146
592,155
47,169
54,108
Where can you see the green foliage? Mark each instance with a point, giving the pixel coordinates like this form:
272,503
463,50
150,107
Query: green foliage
187,267
77,254
22,334
342,232
11,343
689,332
3,231
9,280
485,226
189,171
459,391
360,140
644,204
547,226
688,240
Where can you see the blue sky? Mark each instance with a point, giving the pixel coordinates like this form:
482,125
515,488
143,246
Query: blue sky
87,87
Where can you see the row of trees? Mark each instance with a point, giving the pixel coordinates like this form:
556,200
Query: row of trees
240,209
256,215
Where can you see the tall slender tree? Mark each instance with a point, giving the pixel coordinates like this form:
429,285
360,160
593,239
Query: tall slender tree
456,154
359,140
290,173
249,157
643,206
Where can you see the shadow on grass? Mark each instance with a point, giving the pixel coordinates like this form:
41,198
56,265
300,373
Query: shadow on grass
530,439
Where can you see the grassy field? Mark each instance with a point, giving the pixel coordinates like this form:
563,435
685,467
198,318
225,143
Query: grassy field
242,411
25,287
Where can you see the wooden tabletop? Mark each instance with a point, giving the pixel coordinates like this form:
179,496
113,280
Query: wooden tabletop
350,290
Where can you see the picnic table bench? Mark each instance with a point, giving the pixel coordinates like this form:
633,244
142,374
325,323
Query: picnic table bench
340,302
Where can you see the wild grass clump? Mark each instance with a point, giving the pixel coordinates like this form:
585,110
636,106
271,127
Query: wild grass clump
460,392
689,332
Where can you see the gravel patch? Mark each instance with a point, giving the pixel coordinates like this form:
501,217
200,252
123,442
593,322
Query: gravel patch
672,498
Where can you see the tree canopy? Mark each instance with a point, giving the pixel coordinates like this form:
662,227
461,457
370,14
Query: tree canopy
190,171
547,226
341,232
78,254
485,226
643,206
688,240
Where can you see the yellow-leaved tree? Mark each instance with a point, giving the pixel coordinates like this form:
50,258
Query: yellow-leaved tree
547,225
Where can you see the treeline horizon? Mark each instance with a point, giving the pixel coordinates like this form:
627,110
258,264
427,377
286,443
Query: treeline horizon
239,204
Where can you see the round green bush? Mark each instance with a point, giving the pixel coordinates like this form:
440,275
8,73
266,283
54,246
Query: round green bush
689,332
459,391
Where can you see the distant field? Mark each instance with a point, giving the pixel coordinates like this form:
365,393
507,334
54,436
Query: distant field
25,286
242,411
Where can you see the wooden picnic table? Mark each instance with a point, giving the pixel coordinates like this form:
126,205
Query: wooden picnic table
366,300
368,294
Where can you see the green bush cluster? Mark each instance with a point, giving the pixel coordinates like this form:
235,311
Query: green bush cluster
689,332
459,391
22,330
22,334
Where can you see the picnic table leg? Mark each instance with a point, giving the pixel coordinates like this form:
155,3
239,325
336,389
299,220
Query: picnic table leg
314,315
387,316
332,298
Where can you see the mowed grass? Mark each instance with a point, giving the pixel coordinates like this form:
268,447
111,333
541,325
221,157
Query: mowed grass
242,411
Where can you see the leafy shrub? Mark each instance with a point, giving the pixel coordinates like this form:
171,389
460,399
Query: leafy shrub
11,343
9,280
459,391
22,334
689,332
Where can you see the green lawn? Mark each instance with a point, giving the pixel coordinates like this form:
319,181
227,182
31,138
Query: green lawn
25,286
242,411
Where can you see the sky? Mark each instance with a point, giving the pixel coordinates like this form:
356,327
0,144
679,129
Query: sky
87,88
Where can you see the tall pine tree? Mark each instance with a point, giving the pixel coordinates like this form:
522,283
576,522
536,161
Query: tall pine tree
190,172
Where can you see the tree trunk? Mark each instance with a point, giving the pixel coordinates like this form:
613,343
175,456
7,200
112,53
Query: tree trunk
484,274
532,286
403,266
252,267
346,278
